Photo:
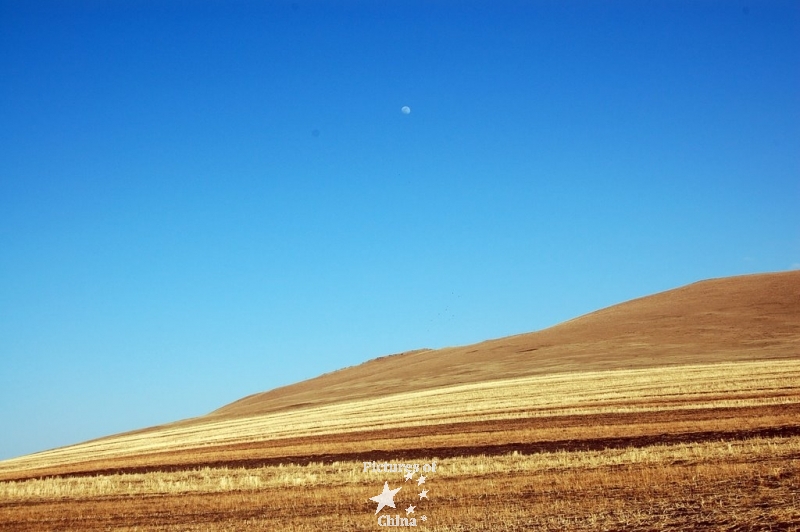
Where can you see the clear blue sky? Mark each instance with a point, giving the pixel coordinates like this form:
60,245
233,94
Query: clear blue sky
204,200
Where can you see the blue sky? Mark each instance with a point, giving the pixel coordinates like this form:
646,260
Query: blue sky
204,200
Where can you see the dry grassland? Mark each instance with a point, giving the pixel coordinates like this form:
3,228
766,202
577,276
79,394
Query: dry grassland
713,446
576,406
749,484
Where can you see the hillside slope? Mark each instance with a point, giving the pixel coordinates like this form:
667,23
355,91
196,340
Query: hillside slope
750,317
714,360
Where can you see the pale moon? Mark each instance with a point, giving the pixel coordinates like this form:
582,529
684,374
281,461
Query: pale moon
405,109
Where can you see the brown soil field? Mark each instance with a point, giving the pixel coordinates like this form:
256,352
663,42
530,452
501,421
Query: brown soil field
741,485
684,415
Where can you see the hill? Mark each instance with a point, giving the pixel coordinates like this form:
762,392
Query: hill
714,360
751,317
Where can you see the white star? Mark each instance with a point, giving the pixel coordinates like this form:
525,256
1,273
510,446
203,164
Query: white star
409,475
410,509
386,498
423,494
421,480
424,517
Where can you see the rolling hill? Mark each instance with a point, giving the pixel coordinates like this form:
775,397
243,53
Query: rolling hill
741,318
717,359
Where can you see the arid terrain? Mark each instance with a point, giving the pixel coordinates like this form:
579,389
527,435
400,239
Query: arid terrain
675,411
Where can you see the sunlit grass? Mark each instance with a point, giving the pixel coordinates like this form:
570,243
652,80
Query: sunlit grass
725,385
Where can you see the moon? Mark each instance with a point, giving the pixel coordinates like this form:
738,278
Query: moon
405,109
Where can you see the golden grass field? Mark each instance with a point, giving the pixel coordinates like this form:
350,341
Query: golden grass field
606,445
714,445
724,485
